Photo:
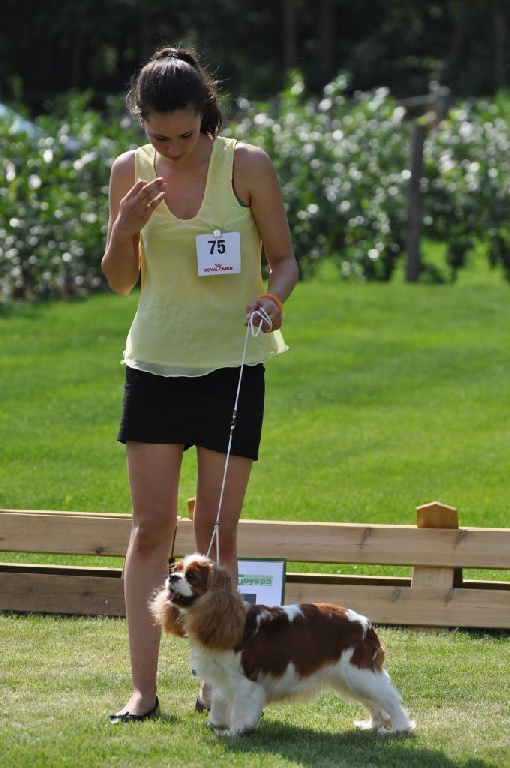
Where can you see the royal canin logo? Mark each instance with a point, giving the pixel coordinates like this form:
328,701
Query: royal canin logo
218,268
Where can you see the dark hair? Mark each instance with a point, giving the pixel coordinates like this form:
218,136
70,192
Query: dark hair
174,79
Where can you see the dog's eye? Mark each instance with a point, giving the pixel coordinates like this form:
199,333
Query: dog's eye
191,577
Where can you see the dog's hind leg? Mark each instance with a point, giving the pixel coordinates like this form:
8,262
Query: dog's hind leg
375,691
378,718
387,703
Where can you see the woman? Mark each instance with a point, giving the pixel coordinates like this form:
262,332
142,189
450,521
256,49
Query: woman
190,211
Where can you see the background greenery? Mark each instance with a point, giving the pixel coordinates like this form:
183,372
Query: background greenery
343,164
391,396
402,45
60,678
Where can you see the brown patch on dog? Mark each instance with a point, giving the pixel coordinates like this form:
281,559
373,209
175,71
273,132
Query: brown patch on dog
319,634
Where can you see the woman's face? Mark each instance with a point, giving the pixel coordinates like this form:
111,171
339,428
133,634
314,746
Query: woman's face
174,135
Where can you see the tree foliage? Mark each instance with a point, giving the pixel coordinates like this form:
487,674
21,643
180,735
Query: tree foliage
53,197
343,163
49,47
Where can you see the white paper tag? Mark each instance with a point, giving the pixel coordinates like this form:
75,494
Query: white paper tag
219,253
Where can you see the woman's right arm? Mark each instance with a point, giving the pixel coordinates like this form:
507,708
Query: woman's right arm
131,206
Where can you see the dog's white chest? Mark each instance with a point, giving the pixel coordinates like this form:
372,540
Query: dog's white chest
220,667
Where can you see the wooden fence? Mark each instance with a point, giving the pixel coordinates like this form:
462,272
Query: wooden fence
436,595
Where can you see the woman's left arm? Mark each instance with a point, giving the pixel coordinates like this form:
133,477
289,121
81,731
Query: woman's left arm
256,183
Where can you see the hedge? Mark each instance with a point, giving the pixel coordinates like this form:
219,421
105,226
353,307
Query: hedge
343,164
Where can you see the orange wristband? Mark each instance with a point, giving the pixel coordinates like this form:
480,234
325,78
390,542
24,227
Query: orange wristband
274,298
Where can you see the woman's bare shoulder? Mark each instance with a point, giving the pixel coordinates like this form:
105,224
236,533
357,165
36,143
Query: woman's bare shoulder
122,174
124,162
249,157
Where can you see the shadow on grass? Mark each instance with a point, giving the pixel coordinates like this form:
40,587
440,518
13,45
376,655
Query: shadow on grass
353,749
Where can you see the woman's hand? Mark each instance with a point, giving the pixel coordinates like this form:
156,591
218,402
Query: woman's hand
131,206
270,308
138,205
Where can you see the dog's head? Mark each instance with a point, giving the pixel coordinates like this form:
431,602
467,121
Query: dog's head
197,601
192,578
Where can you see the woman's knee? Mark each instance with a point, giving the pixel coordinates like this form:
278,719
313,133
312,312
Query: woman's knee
151,535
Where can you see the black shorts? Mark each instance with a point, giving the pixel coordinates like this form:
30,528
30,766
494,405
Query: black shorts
195,410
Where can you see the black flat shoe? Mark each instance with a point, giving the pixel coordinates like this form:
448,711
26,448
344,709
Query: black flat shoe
200,706
126,717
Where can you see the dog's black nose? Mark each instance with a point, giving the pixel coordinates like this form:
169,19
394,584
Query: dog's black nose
173,578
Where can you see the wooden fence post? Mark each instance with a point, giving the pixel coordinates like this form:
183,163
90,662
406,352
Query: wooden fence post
436,515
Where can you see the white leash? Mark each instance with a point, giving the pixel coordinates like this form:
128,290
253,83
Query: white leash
255,330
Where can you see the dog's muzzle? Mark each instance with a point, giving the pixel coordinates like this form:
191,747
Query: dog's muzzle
174,595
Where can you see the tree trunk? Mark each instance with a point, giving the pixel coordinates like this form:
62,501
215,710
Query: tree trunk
457,43
326,33
289,35
499,18
414,214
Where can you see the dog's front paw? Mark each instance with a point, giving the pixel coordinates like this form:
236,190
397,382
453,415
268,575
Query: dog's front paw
364,725
220,714
232,731
217,722
391,731
237,728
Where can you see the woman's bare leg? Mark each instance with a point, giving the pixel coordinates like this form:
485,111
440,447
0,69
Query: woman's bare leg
211,467
154,472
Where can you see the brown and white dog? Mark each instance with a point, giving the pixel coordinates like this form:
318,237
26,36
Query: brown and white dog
253,655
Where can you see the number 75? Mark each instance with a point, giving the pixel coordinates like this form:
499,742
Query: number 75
217,246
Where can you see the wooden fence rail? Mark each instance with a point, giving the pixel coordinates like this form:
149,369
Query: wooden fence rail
436,549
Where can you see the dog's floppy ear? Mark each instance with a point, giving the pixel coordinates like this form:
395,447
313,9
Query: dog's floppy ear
218,578
167,615
218,617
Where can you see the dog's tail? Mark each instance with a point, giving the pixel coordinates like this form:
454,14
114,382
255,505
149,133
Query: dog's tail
377,650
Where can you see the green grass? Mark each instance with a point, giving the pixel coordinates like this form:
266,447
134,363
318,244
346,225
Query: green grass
61,678
390,397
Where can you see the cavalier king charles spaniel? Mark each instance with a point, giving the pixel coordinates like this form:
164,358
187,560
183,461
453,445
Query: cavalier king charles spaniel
253,655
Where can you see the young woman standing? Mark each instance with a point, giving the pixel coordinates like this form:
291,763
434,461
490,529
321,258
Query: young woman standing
190,213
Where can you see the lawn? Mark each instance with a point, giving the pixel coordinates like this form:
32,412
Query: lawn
61,677
391,396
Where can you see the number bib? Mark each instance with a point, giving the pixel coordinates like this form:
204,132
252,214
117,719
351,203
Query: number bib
219,253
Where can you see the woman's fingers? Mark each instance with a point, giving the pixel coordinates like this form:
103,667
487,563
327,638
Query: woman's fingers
139,203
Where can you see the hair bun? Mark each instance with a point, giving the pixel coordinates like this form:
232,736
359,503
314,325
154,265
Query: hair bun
167,53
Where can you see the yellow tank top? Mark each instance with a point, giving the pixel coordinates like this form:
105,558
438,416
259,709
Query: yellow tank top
186,325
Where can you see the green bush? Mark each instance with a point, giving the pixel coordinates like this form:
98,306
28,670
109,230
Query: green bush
467,182
54,198
343,163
